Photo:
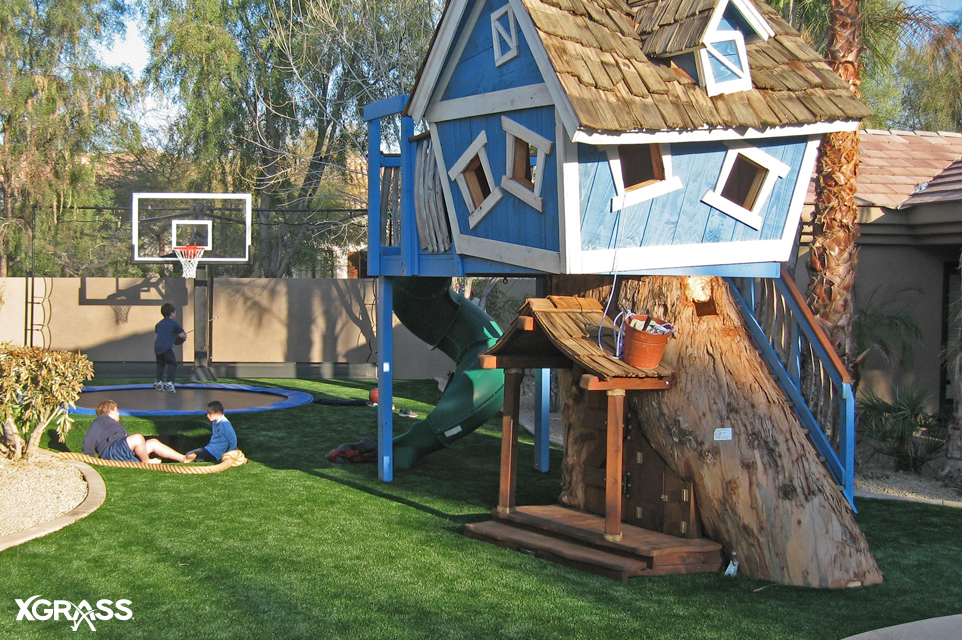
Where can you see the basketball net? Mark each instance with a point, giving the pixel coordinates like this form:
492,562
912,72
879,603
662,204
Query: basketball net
189,256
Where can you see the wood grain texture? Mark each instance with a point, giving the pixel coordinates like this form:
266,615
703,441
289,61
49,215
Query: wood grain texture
763,494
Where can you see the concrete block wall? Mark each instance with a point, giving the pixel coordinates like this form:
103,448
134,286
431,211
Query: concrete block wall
261,327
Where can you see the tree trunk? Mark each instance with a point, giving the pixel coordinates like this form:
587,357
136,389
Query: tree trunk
12,440
953,442
833,254
763,494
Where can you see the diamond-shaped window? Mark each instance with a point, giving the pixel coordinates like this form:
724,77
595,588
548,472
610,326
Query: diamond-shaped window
504,34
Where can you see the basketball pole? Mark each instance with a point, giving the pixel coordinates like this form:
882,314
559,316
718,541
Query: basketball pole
202,330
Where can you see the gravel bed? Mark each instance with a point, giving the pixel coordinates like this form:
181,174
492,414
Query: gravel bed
37,492
876,474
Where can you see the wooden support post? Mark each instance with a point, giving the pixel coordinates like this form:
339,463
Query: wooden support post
509,439
613,463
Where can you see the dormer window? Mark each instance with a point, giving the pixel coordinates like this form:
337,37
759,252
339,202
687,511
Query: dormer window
522,177
723,63
746,180
472,172
640,172
504,32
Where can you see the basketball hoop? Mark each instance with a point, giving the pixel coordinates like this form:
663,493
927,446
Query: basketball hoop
189,256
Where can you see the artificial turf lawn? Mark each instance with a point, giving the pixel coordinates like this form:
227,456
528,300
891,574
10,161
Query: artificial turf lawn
292,546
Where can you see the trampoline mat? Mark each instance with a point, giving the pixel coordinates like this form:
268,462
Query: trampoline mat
190,399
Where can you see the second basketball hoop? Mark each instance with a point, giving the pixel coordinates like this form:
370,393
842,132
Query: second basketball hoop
189,256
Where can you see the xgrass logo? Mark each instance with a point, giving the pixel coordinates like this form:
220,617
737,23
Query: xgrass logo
36,608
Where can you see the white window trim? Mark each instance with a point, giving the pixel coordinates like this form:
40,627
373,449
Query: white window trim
624,198
755,19
509,35
776,169
456,173
532,197
744,80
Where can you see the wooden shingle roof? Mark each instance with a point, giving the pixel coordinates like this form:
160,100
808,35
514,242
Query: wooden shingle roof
668,26
599,57
560,330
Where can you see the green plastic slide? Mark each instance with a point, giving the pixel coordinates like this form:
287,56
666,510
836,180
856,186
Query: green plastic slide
447,321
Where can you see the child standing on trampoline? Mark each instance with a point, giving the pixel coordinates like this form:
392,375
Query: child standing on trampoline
168,333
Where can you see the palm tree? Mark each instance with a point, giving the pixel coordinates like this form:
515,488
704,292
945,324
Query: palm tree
855,35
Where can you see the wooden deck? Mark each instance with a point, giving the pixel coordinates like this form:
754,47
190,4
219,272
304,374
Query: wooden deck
577,539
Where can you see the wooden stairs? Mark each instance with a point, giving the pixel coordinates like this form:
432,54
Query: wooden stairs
577,539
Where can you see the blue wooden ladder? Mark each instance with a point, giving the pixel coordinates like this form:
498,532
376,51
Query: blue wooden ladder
805,365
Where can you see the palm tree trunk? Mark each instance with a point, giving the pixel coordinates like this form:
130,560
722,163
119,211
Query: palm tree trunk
833,255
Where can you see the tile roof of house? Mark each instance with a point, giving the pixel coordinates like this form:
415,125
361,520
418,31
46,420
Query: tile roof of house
945,187
598,54
893,164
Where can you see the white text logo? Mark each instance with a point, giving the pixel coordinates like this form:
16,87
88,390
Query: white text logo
37,608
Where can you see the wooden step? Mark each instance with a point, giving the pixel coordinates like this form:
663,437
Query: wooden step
576,539
666,554
564,552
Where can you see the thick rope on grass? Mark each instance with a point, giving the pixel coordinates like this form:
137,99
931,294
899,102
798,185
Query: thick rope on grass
230,459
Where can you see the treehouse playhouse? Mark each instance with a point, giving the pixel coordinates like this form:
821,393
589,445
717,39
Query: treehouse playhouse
655,138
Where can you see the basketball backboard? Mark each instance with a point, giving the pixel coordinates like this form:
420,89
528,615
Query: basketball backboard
218,222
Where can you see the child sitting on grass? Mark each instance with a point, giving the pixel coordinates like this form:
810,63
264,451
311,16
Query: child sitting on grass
222,436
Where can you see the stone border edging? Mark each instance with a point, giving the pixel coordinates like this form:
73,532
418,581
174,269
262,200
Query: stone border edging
885,496
96,495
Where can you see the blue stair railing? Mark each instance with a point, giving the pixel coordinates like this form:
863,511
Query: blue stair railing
806,366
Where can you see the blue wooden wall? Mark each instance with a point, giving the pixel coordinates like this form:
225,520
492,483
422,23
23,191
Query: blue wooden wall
476,72
511,220
680,217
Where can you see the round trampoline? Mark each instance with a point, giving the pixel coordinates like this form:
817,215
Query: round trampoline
190,399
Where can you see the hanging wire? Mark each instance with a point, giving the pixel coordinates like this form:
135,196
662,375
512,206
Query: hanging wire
618,333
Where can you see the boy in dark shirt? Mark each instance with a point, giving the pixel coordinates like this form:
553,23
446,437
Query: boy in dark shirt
108,439
168,333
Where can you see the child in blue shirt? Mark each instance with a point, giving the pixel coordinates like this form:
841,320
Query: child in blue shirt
222,436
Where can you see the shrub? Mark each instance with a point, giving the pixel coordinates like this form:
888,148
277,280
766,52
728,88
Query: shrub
37,387
903,429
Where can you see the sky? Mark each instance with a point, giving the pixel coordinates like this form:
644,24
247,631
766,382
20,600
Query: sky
946,8
132,50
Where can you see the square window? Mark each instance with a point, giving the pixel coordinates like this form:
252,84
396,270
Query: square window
746,180
640,172
527,153
478,185
523,153
641,165
473,174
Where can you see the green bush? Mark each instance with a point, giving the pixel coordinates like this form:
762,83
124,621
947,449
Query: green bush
37,387
903,429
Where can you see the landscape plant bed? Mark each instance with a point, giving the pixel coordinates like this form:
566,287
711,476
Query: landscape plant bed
293,546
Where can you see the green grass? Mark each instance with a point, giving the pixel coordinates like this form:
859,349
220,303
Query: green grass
292,546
